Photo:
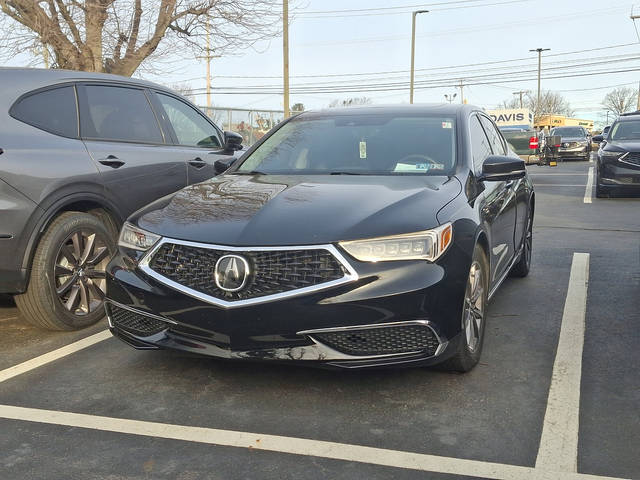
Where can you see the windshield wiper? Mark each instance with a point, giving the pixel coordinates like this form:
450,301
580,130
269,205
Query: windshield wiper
345,173
252,172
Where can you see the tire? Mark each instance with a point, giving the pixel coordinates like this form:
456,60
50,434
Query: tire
602,192
67,280
469,347
523,265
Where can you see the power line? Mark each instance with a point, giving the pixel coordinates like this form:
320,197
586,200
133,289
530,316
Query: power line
422,5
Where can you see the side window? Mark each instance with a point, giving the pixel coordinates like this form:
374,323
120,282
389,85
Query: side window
191,128
479,143
495,139
119,113
52,110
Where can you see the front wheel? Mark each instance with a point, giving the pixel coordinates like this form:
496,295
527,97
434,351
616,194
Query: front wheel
68,281
473,315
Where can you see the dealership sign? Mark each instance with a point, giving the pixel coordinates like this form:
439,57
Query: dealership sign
512,117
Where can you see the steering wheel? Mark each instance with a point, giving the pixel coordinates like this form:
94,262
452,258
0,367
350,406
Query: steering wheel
416,157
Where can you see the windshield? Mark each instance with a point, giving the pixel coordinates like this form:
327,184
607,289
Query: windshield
625,131
371,144
568,132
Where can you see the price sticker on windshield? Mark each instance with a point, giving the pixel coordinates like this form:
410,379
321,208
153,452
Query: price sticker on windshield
363,149
447,125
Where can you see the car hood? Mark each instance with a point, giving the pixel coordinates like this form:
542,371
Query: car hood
262,210
625,145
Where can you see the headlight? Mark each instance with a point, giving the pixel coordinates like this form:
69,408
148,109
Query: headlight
609,155
427,245
136,238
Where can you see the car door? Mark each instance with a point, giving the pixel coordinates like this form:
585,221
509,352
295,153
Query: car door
124,138
498,206
194,137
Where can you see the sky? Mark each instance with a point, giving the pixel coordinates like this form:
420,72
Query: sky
354,48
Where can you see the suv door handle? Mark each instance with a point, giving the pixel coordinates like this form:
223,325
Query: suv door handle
111,161
198,163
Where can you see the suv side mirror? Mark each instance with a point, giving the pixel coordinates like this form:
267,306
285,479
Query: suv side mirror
502,168
221,166
232,141
597,138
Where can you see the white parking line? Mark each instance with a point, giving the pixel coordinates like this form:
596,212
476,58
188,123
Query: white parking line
589,188
536,185
558,174
291,445
24,367
558,449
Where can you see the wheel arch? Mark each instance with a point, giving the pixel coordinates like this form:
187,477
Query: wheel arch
91,203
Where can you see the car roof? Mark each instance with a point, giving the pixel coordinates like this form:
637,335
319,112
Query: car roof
629,116
14,81
398,109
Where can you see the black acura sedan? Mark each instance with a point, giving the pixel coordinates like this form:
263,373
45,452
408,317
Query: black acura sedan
618,167
355,237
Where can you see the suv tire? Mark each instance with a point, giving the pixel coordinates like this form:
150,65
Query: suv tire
67,280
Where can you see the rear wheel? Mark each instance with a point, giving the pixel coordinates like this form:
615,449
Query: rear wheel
68,282
473,315
522,267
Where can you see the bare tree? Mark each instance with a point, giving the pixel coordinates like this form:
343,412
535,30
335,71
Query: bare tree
185,90
551,103
620,100
350,102
298,107
117,36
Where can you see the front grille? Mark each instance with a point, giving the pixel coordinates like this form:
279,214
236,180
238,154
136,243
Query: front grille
135,323
271,271
382,341
633,158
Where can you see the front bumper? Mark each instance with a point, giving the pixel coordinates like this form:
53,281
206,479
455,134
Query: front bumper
386,300
619,176
575,152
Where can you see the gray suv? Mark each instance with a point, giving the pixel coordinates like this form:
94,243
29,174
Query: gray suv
79,153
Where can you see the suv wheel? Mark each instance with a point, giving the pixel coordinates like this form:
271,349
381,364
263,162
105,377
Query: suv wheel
67,282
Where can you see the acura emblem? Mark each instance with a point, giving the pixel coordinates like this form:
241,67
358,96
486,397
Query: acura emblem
231,273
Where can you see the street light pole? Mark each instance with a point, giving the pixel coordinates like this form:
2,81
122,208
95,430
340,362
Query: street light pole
413,49
285,54
539,50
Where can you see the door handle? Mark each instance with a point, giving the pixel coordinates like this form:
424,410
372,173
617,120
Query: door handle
198,163
111,161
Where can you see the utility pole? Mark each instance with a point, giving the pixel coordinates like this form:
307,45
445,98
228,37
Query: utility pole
539,50
285,54
413,49
521,92
208,69
461,86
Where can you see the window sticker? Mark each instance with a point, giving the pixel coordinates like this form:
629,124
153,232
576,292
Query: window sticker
447,125
363,149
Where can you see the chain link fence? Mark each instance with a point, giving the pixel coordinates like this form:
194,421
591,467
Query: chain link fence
251,124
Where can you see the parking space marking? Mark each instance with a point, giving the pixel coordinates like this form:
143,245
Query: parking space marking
24,367
589,188
558,449
292,445
555,185
558,174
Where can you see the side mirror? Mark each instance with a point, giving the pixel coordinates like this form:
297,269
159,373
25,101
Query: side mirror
221,166
232,141
597,138
501,168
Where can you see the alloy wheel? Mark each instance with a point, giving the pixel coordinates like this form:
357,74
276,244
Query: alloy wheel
528,242
79,272
473,315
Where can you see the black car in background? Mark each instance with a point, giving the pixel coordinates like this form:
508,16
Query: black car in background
79,152
575,142
345,238
618,168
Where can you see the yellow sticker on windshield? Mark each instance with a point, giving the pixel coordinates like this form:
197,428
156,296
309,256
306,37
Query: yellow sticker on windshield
363,149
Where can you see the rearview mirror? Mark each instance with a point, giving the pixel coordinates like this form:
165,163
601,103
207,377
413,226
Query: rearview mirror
221,166
501,168
232,141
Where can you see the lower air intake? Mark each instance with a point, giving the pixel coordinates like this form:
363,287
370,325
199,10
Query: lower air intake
382,340
135,323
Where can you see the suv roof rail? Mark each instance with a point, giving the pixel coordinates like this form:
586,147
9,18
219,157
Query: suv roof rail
637,112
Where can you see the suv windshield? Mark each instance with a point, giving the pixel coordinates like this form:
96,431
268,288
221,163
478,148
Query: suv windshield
568,132
366,144
625,131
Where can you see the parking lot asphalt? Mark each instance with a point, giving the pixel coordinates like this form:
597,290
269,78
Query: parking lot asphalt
108,411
